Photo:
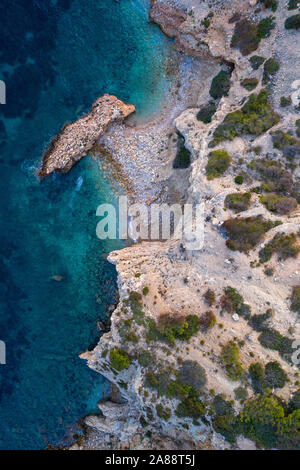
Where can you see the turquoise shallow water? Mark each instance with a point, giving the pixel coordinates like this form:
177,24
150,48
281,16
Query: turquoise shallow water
57,57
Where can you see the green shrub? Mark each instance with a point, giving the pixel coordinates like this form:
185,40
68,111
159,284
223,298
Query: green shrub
294,403
221,406
190,407
284,102
261,416
127,334
159,382
271,67
205,23
241,393
182,328
145,290
238,202
293,4
288,144
245,37
255,117
239,179
245,233
265,27
163,413
260,322
134,301
220,85
183,155
208,319
230,356
144,358
275,377
278,204
210,297
288,432
228,425
295,299
257,374
119,359
282,139
272,339
249,83
272,4
218,163
256,61
192,374
293,22
275,178
282,244
232,301
206,112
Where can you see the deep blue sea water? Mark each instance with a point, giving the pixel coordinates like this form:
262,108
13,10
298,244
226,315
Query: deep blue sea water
56,58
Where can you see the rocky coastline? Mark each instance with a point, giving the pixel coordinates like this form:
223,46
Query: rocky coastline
76,139
248,300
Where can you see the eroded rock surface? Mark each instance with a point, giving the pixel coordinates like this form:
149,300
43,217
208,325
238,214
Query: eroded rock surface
76,139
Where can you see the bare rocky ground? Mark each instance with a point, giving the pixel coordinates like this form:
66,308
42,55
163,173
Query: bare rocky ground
177,278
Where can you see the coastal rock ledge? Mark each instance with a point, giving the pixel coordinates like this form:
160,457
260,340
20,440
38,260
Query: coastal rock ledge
76,139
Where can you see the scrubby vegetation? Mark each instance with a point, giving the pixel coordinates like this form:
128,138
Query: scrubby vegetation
293,4
249,83
275,178
247,35
119,360
260,322
287,143
218,163
271,67
255,117
189,382
172,327
241,394
220,85
206,112
264,421
275,377
282,244
192,374
282,139
257,374
272,4
293,22
285,101
163,413
239,179
126,332
272,339
278,204
134,301
208,319
232,301
238,202
230,357
210,297
265,27
245,233
269,377
256,61
183,156
295,299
